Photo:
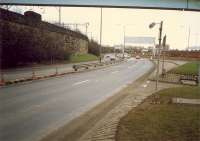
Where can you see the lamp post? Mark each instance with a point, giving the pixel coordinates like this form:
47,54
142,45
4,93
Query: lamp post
100,51
163,55
124,39
59,11
159,46
188,45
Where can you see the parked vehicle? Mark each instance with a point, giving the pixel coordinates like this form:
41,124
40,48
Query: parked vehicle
137,57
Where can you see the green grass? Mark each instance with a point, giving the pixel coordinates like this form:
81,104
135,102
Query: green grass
164,121
82,58
188,68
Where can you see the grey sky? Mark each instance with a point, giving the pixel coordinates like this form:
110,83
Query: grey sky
176,23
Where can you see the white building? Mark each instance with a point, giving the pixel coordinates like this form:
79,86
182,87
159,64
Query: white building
194,48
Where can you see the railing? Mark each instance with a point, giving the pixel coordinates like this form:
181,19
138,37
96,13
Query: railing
28,74
93,65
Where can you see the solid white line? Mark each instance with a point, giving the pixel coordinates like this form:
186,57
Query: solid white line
78,83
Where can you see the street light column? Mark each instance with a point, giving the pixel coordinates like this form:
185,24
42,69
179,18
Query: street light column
124,40
158,60
100,50
163,55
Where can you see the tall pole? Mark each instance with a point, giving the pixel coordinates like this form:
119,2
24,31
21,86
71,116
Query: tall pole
163,54
86,28
100,51
1,63
59,10
124,40
188,39
158,61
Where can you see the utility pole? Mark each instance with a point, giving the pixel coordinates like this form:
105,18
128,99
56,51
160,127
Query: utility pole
1,64
188,39
124,40
163,53
59,10
158,62
100,50
86,28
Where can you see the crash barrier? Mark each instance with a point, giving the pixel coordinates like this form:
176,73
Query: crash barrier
93,65
37,73
189,78
178,79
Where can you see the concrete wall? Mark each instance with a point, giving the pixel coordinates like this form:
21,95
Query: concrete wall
22,36
63,38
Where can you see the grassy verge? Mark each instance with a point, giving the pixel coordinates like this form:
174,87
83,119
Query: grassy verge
188,68
82,58
163,121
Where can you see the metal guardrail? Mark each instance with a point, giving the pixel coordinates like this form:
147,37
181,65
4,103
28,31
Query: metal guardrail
36,73
178,79
189,78
93,65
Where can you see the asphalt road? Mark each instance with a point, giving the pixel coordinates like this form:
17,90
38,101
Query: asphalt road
30,111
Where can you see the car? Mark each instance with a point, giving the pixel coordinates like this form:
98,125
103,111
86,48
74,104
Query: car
137,57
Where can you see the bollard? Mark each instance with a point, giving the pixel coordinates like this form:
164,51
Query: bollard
2,79
199,75
33,74
56,70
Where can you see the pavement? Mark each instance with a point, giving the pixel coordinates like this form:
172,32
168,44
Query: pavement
31,111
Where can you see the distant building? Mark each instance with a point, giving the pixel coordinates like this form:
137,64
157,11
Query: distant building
194,48
120,47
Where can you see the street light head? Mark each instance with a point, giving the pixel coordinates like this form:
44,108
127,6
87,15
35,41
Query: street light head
152,25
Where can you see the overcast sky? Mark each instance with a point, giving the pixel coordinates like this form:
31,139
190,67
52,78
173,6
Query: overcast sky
176,23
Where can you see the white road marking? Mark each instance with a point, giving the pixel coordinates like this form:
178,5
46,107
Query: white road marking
114,72
145,86
81,82
148,82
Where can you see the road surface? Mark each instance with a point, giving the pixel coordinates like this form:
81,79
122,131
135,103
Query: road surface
30,111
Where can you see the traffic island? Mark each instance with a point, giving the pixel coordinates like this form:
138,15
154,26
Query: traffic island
158,118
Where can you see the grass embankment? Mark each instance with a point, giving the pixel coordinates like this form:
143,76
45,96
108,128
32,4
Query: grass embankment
188,68
163,121
82,58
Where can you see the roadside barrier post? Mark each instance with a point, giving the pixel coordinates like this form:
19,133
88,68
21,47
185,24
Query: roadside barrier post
2,78
56,70
199,75
33,73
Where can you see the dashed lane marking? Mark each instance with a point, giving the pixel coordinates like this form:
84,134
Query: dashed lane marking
81,82
114,72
